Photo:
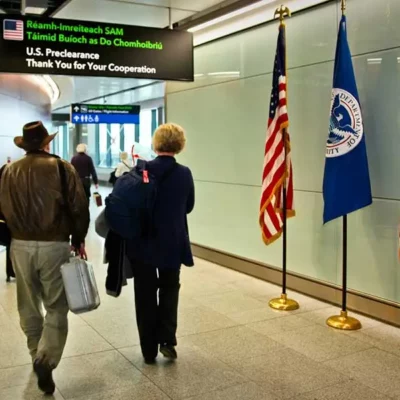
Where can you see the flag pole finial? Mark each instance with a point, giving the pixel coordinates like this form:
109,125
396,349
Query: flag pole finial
282,12
343,7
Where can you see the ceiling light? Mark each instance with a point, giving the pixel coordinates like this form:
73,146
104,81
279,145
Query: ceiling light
231,15
54,88
47,84
224,73
33,6
374,60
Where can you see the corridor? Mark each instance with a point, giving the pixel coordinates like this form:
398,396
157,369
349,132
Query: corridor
231,346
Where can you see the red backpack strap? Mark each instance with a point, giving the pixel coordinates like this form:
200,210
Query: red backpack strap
146,176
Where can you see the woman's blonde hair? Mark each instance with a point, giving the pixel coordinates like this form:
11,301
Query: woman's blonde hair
124,156
169,138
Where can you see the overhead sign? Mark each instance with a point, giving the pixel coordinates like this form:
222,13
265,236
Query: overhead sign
104,114
67,47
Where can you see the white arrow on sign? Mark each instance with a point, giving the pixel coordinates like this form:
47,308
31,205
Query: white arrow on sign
76,108
76,118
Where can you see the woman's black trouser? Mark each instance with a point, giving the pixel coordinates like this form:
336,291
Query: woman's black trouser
156,299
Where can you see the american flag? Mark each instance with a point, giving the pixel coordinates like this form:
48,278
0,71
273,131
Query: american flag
13,29
275,168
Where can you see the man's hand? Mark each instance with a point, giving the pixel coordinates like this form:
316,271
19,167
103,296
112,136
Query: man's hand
81,251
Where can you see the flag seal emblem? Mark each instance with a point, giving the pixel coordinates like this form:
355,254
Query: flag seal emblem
346,125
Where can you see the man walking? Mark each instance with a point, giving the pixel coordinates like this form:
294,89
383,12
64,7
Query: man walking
43,202
85,168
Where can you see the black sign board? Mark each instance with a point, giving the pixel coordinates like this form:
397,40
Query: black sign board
104,114
56,117
68,47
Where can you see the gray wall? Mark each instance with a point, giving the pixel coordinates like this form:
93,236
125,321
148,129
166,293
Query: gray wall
225,117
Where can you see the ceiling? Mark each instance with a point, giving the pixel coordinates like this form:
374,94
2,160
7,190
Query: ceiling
94,89
154,13
14,6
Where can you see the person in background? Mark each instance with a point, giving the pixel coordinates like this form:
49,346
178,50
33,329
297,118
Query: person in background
156,260
42,212
124,166
9,268
85,168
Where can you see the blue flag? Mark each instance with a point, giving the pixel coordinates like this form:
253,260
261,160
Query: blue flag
347,186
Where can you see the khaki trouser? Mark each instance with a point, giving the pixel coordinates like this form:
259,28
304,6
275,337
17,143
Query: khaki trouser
37,268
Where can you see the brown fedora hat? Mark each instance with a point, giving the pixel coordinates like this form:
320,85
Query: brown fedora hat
34,137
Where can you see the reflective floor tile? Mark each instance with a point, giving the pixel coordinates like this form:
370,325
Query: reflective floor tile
17,376
255,287
194,373
201,319
279,325
385,337
231,302
141,391
4,318
118,327
256,315
320,343
23,393
234,344
194,286
246,391
374,368
286,373
345,391
95,373
84,340
75,320
13,349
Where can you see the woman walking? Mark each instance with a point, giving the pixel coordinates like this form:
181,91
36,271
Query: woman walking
156,257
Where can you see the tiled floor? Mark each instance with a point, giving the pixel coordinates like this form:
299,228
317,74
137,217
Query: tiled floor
231,346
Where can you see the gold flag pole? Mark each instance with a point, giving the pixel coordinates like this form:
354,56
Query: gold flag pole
344,7
283,303
282,12
344,321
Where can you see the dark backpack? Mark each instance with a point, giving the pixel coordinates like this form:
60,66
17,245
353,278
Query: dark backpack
130,207
112,178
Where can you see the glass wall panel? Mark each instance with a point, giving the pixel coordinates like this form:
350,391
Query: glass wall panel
103,148
129,137
225,118
145,128
60,145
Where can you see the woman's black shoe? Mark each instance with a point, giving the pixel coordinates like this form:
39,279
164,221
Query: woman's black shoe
168,351
149,361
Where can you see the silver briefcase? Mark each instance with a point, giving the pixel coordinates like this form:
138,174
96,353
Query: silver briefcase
80,286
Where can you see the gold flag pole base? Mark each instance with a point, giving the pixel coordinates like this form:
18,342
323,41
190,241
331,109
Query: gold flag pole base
284,304
344,322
